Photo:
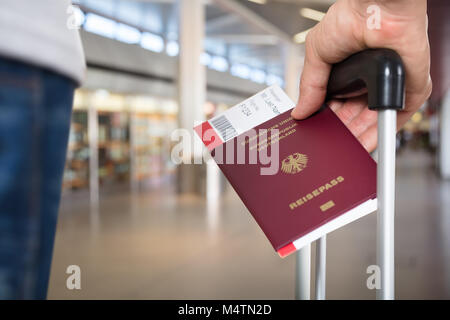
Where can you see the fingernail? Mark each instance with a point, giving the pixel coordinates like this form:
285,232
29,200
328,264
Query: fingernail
333,106
295,112
364,146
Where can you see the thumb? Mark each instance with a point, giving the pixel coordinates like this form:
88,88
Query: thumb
314,80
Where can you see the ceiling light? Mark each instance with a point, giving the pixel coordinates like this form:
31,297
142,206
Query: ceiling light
312,14
258,1
301,36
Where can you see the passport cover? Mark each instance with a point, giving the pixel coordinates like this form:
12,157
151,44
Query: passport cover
324,172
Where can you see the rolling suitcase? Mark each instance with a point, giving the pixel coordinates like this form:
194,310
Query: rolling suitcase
381,71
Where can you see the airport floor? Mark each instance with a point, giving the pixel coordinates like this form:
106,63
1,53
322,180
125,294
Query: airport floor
157,245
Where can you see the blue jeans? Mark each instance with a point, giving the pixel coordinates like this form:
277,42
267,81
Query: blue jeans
35,111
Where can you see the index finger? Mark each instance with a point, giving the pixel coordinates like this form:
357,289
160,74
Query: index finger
314,80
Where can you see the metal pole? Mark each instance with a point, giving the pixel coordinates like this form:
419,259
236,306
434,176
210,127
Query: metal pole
303,273
444,134
321,267
93,154
94,188
387,127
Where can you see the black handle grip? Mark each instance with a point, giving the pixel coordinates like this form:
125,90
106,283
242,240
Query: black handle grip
380,70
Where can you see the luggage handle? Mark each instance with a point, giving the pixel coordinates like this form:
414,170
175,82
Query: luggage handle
381,71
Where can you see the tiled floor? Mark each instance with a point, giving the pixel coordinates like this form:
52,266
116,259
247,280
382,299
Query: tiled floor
156,245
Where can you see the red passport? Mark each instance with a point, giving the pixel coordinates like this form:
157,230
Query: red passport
299,179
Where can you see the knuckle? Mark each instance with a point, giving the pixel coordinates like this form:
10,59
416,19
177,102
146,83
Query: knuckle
357,126
345,114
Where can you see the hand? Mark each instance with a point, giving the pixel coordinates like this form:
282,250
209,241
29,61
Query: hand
344,31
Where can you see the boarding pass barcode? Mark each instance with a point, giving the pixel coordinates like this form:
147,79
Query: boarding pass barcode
224,127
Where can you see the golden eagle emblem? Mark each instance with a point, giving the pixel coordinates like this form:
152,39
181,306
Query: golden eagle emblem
294,163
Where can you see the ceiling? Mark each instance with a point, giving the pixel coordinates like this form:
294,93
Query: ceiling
241,30
285,14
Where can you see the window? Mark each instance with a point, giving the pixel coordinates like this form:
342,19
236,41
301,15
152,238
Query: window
172,48
219,64
205,59
258,76
215,47
99,25
152,42
129,12
273,79
241,71
105,7
128,34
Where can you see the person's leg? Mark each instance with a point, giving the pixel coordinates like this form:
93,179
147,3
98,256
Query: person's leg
19,180
35,108
57,109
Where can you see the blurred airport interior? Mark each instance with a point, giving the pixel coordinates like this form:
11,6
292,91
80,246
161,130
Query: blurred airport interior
141,226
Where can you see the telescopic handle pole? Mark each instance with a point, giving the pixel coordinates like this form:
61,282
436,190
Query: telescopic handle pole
382,72
387,124
321,267
303,273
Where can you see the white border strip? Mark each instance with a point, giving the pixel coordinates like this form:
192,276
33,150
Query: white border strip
346,218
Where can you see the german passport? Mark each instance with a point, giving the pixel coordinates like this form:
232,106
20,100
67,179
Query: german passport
300,179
